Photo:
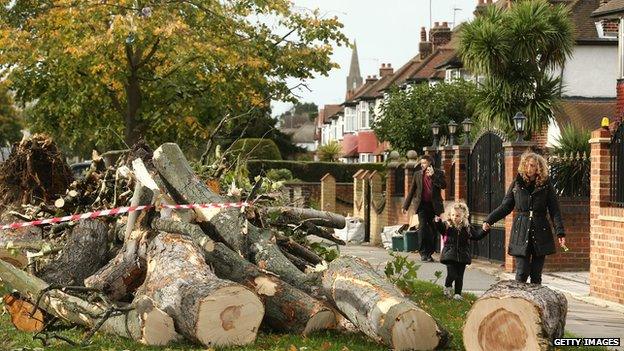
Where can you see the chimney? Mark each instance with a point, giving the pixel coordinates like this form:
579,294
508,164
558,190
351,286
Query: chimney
385,70
440,35
425,48
371,79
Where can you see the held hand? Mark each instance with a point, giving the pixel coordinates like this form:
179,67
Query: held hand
562,243
486,227
437,218
403,211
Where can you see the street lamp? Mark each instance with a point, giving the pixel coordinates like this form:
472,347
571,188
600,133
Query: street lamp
435,128
452,127
467,124
519,121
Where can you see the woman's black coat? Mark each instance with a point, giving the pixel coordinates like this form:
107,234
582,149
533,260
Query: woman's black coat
539,202
457,247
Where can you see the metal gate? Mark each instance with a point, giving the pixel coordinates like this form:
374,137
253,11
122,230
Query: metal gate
486,189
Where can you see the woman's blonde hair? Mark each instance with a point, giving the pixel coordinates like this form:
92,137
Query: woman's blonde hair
458,207
542,168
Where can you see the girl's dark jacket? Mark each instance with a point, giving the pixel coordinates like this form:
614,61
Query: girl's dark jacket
531,208
457,247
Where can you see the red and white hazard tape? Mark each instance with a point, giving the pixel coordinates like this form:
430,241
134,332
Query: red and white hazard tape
119,210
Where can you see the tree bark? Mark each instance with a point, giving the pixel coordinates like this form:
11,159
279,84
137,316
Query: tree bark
145,323
288,309
378,308
223,225
298,250
515,316
83,254
205,309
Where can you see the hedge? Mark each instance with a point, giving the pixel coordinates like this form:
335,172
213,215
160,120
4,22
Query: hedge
313,171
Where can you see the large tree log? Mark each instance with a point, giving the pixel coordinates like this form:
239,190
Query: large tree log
82,255
145,323
515,316
297,215
288,309
205,308
223,225
379,309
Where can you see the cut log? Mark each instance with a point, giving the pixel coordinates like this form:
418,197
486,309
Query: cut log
515,316
205,309
324,233
145,323
298,250
297,215
288,309
223,225
22,315
379,309
83,254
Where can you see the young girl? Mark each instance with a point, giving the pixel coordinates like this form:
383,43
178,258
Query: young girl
456,233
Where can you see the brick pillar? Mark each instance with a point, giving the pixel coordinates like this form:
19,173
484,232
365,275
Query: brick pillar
513,152
392,214
378,216
599,198
358,193
447,163
461,165
328,193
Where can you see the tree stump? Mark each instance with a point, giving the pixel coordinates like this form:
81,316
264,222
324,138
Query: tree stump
515,316
378,308
205,309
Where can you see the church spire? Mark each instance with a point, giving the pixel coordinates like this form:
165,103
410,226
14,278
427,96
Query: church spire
354,79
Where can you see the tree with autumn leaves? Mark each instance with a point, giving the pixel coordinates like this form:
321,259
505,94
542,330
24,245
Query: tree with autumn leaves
101,74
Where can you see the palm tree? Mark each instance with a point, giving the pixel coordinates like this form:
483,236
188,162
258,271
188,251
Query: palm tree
518,51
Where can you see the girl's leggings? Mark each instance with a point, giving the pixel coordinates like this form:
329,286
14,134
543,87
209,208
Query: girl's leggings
455,273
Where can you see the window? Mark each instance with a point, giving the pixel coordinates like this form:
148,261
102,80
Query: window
364,115
366,158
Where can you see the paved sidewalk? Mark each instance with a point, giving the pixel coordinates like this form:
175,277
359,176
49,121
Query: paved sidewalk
587,316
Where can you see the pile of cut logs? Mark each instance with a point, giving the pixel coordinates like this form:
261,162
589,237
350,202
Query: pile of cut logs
214,276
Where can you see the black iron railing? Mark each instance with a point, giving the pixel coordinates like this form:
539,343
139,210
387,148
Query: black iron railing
399,181
617,167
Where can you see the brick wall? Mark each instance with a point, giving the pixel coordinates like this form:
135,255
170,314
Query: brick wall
311,195
344,198
540,138
619,110
606,273
575,213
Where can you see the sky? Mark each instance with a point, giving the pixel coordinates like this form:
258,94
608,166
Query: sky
386,31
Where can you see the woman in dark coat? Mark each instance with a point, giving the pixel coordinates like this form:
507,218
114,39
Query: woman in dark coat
456,254
533,197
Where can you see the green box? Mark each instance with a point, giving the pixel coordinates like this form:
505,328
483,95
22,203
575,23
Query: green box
410,242
397,243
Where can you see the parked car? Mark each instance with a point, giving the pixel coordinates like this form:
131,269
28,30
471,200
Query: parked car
80,169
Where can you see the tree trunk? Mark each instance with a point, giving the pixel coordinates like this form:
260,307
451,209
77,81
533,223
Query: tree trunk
288,309
145,323
297,215
205,309
122,275
515,316
378,308
82,255
223,225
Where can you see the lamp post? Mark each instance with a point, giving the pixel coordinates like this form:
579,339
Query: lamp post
452,127
435,128
519,121
467,125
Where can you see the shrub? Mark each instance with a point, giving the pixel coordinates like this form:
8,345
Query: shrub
570,165
330,152
279,174
313,171
254,148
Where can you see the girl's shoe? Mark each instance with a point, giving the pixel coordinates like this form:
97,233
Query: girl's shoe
448,292
458,297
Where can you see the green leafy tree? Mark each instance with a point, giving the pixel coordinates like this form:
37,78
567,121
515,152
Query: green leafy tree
10,119
518,52
105,73
406,115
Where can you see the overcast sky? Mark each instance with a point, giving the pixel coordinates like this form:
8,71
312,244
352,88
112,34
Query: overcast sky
386,31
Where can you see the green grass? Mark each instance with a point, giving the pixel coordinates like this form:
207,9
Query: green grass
449,313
